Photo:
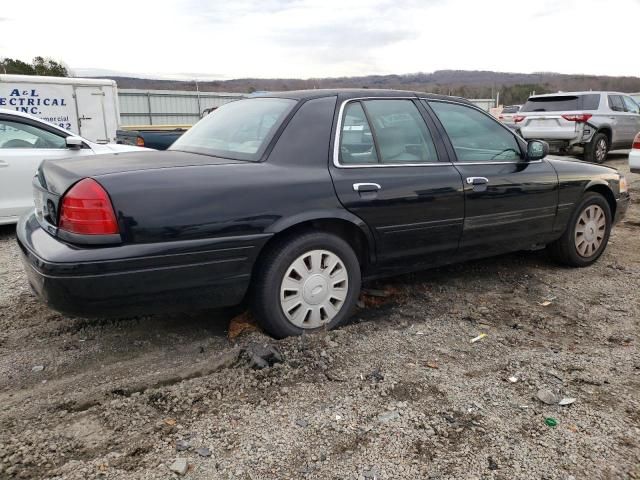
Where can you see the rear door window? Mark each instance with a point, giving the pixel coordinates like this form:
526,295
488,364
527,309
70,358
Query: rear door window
400,132
562,103
630,105
615,103
475,136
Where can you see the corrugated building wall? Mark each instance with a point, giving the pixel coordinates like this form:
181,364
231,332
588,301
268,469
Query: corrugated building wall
168,107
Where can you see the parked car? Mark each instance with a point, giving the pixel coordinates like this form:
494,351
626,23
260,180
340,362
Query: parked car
24,142
508,114
634,155
158,137
291,199
596,122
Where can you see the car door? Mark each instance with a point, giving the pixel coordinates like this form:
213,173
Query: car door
510,203
23,145
390,170
621,122
633,115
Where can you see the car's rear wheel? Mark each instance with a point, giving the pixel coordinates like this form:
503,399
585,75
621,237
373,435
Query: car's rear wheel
596,150
587,233
306,283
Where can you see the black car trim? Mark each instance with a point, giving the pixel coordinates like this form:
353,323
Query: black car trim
496,219
140,270
391,229
88,239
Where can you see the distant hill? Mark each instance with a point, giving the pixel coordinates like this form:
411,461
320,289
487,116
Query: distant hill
513,87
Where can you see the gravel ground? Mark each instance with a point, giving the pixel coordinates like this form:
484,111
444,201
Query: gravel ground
400,392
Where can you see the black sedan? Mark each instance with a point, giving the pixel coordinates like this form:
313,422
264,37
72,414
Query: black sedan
291,199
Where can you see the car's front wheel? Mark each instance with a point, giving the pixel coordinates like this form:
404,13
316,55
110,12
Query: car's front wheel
587,233
306,283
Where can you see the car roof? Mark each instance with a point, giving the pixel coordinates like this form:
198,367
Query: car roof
354,93
587,92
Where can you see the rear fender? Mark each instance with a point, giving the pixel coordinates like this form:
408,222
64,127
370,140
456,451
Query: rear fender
328,214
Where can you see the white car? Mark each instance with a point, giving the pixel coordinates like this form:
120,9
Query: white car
24,142
634,155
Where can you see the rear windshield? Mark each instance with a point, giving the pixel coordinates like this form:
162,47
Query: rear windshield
511,109
562,103
239,130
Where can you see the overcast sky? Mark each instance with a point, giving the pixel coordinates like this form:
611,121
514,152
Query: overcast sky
325,38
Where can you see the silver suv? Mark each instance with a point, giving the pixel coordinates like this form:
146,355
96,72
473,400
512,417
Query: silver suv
595,122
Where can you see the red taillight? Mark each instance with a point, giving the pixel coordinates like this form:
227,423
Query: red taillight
636,142
140,141
577,117
86,209
518,118
500,117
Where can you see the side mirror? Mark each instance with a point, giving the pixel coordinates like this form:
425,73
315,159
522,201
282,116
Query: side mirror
537,150
74,142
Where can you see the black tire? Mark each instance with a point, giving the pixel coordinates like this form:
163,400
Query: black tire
593,151
275,263
565,250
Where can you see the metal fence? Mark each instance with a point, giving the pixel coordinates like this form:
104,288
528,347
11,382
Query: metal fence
168,107
484,103
174,107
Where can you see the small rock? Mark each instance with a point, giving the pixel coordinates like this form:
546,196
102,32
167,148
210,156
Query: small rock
179,466
566,401
372,473
301,422
37,368
548,397
513,379
263,356
492,464
203,452
376,375
182,445
388,416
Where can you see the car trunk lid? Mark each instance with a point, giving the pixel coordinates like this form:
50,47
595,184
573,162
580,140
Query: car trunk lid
55,177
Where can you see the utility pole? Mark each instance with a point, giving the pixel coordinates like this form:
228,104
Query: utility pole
198,95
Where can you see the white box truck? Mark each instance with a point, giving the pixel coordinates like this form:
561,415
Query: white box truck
87,107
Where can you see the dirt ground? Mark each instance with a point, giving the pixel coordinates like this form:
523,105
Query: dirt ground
400,392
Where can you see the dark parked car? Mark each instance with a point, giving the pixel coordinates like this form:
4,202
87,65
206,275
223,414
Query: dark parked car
291,199
158,137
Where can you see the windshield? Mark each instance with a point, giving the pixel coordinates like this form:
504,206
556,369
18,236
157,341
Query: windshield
562,103
239,130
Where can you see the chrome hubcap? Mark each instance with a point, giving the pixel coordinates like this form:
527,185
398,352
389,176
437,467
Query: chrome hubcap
314,289
601,150
590,230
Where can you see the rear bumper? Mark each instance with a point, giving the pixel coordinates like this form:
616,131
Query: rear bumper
634,161
136,279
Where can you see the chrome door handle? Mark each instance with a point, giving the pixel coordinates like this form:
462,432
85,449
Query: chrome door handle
366,187
3,163
477,180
